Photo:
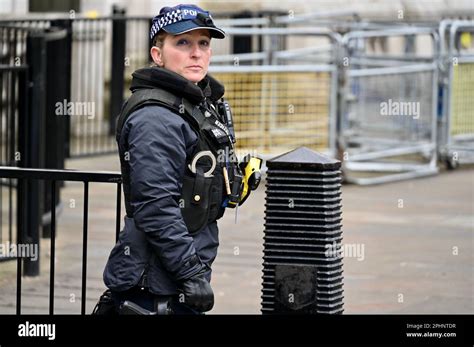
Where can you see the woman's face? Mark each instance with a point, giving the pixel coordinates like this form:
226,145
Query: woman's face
187,54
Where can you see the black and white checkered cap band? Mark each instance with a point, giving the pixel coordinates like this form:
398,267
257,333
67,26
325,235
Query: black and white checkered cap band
169,18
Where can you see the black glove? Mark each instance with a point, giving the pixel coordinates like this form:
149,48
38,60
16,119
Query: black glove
197,292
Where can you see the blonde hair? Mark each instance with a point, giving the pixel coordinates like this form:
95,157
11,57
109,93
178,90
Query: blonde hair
159,39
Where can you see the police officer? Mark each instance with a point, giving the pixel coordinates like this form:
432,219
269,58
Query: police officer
170,135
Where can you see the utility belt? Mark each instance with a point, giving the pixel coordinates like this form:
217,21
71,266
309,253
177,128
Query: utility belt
107,305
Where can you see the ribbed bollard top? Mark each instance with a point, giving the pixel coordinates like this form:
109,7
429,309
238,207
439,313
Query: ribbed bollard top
304,157
302,263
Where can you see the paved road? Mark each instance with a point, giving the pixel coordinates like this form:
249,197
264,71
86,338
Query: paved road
415,242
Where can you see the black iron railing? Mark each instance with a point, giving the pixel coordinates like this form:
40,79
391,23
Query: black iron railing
12,90
53,177
98,55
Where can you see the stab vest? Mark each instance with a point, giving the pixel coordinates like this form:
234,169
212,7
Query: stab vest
203,191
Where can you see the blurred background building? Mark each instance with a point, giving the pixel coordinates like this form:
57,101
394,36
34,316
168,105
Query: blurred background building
368,9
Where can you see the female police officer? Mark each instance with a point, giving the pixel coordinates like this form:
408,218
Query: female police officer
170,135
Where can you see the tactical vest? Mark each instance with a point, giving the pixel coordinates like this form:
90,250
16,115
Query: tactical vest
203,191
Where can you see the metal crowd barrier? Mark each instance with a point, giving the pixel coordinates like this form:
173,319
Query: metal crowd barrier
388,109
457,124
281,106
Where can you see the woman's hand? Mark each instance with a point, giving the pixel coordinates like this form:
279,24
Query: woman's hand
198,292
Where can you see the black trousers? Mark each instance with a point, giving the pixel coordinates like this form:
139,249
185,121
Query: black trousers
142,297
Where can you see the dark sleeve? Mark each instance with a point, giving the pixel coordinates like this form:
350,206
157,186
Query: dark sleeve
158,143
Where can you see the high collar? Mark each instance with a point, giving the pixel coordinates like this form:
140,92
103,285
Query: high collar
156,77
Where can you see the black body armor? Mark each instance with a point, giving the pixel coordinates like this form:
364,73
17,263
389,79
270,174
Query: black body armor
204,197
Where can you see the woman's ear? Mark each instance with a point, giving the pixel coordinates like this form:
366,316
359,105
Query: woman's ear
155,53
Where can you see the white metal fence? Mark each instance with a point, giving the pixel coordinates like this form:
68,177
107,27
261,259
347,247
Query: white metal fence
457,65
388,109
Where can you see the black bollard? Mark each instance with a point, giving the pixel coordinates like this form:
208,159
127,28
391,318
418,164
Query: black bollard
302,262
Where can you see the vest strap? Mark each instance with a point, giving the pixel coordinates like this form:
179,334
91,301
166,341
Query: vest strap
160,97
